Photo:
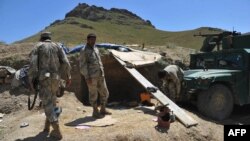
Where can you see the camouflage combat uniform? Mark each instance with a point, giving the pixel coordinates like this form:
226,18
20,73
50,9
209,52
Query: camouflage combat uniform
91,67
172,82
48,69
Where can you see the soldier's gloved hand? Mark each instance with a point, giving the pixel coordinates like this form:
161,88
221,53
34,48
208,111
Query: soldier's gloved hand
68,83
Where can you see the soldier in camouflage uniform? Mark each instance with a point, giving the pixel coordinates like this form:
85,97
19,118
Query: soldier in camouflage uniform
91,68
172,77
47,59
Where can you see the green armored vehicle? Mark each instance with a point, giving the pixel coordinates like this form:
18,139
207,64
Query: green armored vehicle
218,80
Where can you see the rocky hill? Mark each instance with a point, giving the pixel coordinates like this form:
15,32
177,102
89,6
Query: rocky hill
114,15
116,26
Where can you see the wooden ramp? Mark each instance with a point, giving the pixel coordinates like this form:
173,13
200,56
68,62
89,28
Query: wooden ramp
180,114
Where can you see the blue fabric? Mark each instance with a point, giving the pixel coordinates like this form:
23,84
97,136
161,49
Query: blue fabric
102,45
108,46
75,49
65,49
23,76
24,71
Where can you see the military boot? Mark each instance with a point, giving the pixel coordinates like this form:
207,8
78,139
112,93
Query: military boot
104,111
96,113
46,126
56,133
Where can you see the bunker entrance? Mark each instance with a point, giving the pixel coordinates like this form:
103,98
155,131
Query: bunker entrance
121,85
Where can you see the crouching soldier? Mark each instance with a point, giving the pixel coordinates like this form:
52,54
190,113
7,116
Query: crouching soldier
91,68
172,77
46,60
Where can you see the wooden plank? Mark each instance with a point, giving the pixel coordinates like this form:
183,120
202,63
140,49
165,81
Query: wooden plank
136,57
180,114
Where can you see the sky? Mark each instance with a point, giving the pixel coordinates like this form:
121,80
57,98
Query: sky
22,18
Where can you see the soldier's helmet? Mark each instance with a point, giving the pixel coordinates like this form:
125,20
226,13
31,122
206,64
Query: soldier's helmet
46,34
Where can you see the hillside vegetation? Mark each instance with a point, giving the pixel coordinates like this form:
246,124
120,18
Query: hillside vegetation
116,26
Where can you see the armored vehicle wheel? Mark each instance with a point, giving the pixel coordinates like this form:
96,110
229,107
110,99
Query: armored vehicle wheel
202,102
216,102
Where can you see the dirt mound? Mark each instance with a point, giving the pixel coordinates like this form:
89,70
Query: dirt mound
15,55
11,101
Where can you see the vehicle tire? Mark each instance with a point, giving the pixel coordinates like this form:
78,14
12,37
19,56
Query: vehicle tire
217,102
202,100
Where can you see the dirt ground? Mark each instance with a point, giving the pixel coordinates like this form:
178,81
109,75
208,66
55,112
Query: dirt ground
133,124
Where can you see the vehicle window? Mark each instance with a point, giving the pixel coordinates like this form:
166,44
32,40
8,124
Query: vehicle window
210,63
200,63
206,62
233,61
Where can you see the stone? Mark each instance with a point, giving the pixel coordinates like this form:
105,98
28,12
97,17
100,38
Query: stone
24,124
1,115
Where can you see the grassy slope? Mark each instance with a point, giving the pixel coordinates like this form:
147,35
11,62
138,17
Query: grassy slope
111,31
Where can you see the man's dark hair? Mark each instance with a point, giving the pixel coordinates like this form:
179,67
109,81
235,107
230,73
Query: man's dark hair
161,74
91,35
